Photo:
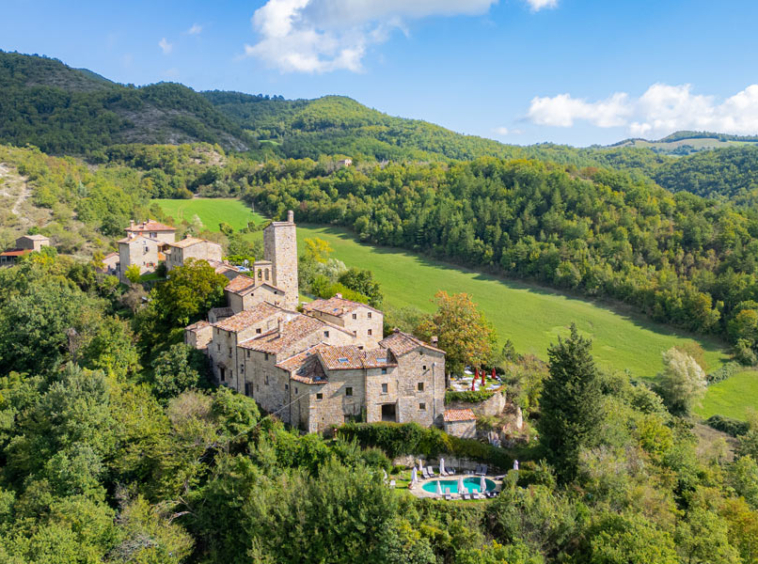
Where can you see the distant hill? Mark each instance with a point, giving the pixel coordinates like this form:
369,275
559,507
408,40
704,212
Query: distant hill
64,110
688,142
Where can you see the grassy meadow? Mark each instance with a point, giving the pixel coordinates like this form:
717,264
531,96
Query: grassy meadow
531,316
732,397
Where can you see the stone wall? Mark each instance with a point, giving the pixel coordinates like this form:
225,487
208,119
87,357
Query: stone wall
140,251
330,404
365,323
199,251
462,429
492,407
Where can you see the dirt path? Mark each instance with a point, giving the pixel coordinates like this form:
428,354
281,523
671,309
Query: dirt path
24,192
24,195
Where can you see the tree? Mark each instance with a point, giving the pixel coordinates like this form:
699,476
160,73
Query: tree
133,273
682,383
571,404
463,332
180,368
362,281
317,250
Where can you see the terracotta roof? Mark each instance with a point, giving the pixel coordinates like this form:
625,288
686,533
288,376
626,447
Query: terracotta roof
336,306
452,415
239,283
245,319
190,241
197,325
15,252
111,259
348,357
150,225
305,367
292,332
221,312
402,343
379,358
132,238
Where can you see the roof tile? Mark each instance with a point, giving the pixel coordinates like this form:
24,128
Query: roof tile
244,319
452,415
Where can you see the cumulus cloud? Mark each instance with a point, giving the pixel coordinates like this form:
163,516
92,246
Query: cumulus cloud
661,109
165,46
318,36
195,29
538,5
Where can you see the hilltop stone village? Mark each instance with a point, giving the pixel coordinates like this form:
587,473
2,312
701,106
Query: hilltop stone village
322,366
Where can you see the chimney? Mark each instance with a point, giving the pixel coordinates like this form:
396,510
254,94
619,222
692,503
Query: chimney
435,340
131,224
338,295
396,330
291,216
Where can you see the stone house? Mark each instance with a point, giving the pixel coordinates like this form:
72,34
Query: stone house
152,230
243,292
24,245
365,322
460,423
179,252
143,251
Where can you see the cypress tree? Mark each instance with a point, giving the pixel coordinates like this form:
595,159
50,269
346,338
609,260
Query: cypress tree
571,404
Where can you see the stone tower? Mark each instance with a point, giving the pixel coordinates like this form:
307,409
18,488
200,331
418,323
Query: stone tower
280,247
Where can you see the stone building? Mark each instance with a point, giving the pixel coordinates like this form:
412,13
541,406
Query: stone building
177,253
323,367
24,245
145,252
460,423
152,230
363,321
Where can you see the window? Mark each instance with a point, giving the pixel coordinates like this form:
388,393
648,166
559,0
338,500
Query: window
266,275
385,388
342,360
258,331
266,356
222,373
266,382
242,368
421,353
370,332
420,386
424,367
355,316
319,396
153,235
384,371
218,347
422,406
286,386
348,391
230,351
326,334
248,353
369,315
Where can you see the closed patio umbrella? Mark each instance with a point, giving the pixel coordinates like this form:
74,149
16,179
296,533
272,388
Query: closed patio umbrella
442,467
414,477
482,484
461,487
439,488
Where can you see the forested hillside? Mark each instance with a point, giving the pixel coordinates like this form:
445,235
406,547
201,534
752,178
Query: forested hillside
67,111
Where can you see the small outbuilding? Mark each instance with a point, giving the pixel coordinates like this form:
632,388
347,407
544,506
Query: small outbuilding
460,423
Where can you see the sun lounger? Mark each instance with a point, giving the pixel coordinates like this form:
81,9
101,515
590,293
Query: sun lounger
430,471
478,495
448,497
466,496
425,474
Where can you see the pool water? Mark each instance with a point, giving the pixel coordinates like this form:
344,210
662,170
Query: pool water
471,484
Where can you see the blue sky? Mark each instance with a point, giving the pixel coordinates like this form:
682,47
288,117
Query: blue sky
520,71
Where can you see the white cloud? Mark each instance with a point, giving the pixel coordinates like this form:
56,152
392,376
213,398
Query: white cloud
538,5
195,29
324,35
660,110
165,46
501,131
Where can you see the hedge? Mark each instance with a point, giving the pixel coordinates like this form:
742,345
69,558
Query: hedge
398,439
468,396
726,371
733,427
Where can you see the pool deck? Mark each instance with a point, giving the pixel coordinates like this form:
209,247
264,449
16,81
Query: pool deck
419,491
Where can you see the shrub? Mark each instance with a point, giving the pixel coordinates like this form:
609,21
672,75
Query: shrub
397,439
726,371
727,425
468,396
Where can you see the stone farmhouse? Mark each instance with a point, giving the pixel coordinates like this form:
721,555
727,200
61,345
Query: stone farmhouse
323,366
24,245
149,243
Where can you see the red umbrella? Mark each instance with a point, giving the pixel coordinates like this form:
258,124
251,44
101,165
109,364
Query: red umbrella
473,382
484,375
493,374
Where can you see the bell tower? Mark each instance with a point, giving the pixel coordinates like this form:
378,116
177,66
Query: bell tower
280,247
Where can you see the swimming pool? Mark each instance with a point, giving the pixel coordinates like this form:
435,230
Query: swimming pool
471,484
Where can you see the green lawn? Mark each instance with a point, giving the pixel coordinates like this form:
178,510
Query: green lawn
210,211
532,317
732,397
